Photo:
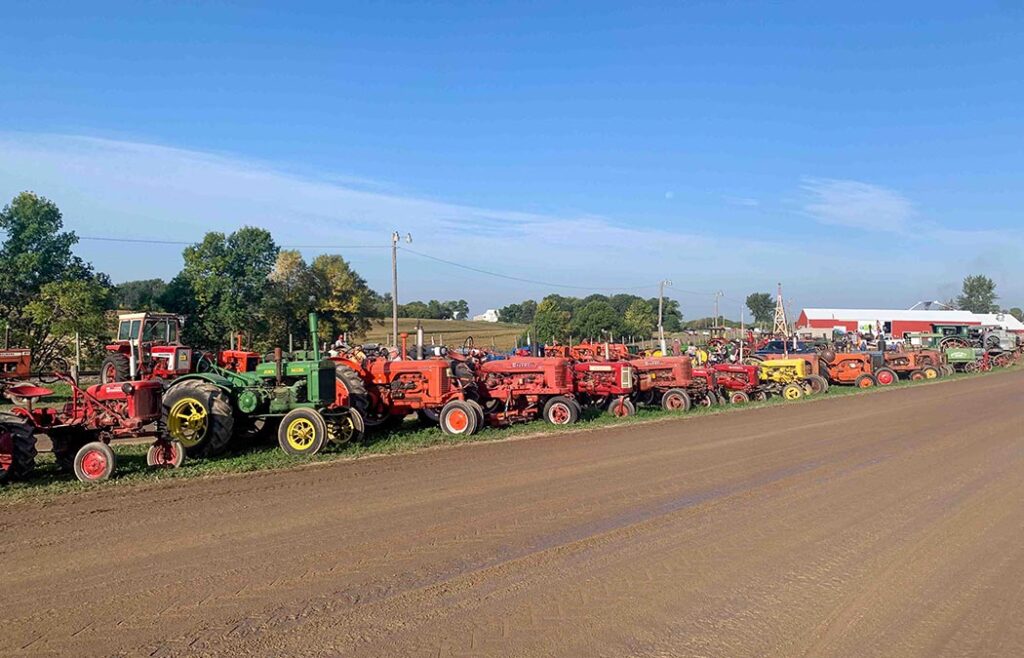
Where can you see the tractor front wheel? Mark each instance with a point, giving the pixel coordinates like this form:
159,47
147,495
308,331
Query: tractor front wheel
458,418
792,392
302,432
561,410
198,414
916,375
95,462
676,399
818,383
17,448
622,407
886,377
864,381
481,418
165,454
115,368
345,427
738,397
930,372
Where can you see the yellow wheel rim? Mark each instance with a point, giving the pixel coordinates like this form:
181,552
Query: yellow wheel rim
187,421
300,434
931,374
792,393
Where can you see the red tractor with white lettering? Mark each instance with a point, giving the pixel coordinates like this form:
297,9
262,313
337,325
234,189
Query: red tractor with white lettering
82,429
739,383
522,388
607,385
666,380
148,346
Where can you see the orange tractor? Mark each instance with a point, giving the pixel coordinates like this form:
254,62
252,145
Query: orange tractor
917,364
860,369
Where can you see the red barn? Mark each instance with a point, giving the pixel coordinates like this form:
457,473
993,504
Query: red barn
895,323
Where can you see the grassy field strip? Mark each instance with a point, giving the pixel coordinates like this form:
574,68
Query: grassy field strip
410,437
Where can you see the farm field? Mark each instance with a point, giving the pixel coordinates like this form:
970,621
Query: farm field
453,333
872,524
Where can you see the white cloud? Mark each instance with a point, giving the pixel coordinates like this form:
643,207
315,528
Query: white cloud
856,204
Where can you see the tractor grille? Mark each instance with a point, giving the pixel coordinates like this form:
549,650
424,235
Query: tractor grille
147,403
326,383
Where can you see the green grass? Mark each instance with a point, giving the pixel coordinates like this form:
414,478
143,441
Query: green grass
452,332
132,470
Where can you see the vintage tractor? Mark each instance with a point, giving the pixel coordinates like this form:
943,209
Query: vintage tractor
297,394
588,351
148,346
82,429
964,359
790,378
914,365
861,369
739,383
704,389
605,384
666,380
15,363
521,388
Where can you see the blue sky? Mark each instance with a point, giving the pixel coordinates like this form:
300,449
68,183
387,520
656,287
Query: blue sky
862,153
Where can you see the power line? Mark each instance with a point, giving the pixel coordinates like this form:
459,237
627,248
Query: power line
186,243
521,279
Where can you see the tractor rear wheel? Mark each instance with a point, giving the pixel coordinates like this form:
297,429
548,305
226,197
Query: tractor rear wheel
792,392
165,454
481,419
561,410
358,395
819,383
886,377
95,461
115,368
458,418
738,397
864,381
302,432
17,448
676,399
622,407
198,414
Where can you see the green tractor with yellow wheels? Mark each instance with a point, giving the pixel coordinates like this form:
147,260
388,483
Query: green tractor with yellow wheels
294,393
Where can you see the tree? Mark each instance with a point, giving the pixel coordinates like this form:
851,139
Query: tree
290,298
344,300
521,313
595,319
640,319
229,278
70,307
550,322
143,295
671,314
36,254
1017,312
762,307
978,295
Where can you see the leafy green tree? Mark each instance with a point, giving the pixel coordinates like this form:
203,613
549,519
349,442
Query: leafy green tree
344,300
140,295
521,313
595,320
229,279
671,314
978,295
550,322
290,297
71,307
36,254
417,310
1017,312
640,319
762,307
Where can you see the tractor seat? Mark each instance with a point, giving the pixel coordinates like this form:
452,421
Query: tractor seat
27,391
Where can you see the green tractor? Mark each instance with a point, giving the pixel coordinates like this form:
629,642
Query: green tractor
296,394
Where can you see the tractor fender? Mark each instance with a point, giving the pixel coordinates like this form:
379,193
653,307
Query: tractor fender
217,380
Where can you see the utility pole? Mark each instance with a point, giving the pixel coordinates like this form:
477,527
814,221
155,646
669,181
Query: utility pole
661,311
395,238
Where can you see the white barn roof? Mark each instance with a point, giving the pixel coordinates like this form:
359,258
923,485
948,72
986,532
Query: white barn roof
1004,320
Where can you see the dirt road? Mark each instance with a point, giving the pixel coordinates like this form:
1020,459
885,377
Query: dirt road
886,524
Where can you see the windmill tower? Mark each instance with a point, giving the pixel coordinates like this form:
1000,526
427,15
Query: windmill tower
781,324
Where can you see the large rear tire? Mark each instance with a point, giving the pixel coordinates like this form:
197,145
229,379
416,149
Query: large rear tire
17,448
886,377
676,399
358,394
115,368
197,414
561,410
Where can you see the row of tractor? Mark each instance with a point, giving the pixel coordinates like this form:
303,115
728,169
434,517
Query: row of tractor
201,405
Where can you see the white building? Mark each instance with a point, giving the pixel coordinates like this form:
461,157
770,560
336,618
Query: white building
490,315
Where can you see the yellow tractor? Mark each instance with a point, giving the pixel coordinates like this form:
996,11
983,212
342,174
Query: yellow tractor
790,378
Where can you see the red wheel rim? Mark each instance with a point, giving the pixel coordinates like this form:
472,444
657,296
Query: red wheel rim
865,383
559,414
166,455
884,378
94,464
737,398
674,402
458,420
110,373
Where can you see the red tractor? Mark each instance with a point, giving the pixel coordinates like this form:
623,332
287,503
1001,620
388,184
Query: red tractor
587,351
739,383
665,380
704,389
81,430
606,384
15,363
148,346
521,388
